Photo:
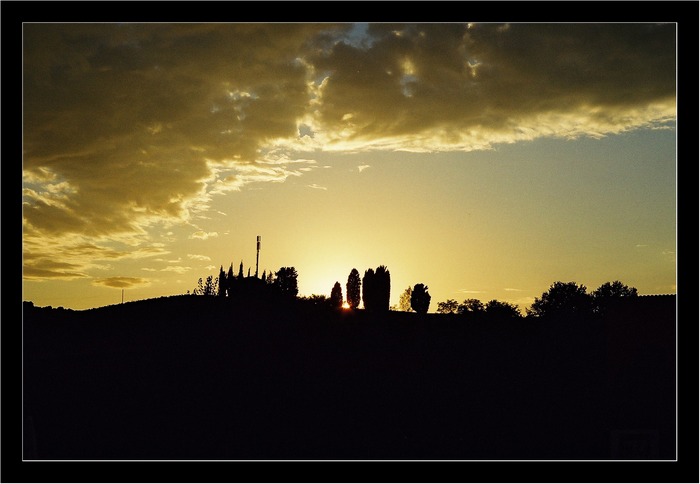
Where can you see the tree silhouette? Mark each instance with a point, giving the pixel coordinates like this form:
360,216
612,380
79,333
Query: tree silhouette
471,306
562,299
376,289
405,300
447,307
501,310
199,290
382,288
420,298
368,290
208,288
337,296
240,271
286,281
222,282
230,280
608,293
352,289
317,300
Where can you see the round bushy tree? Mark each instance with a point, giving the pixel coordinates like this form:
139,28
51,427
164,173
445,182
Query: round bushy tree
501,310
286,281
447,307
420,298
471,306
562,299
610,292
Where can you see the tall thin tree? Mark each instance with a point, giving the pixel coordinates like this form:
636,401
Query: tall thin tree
382,288
368,290
222,282
336,296
352,289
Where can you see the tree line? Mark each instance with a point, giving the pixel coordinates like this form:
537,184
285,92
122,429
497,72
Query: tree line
562,299
373,290
228,283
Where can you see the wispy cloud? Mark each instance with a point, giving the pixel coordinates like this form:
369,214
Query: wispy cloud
202,235
511,289
177,269
362,168
317,187
198,257
52,271
468,291
78,258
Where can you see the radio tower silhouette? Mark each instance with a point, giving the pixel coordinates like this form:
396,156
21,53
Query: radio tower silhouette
257,258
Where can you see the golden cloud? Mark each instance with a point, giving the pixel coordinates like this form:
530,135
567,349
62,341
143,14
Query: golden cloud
127,126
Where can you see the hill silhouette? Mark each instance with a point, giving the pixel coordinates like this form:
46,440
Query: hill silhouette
188,377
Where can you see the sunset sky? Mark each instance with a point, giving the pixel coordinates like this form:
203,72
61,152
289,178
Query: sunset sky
485,161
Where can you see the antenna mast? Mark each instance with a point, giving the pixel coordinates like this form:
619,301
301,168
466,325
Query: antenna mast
257,258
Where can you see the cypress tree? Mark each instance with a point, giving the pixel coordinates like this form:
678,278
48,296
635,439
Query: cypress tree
352,289
368,290
337,296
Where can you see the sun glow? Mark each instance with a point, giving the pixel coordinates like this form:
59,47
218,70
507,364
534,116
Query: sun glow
346,305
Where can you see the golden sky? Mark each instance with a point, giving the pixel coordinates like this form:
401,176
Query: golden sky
483,160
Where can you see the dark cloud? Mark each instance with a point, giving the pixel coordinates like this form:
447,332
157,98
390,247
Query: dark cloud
456,84
121,282
44,268
129,115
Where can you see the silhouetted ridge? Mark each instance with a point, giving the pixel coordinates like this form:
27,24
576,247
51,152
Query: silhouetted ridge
260,375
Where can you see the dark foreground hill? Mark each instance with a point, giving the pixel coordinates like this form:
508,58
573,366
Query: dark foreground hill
209,378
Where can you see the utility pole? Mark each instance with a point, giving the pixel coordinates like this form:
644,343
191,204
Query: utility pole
257,258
